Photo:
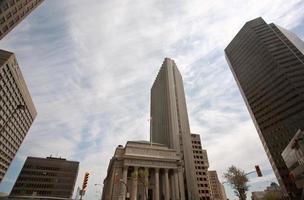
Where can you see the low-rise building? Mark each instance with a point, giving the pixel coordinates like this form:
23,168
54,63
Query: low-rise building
46,178
223,192
271,192
258,195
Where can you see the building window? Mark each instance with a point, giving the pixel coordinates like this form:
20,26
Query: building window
2,20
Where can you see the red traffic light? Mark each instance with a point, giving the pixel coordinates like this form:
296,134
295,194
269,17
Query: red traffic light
258,171
85,180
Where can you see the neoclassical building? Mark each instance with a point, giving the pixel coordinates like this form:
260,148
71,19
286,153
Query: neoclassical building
144,171
174,166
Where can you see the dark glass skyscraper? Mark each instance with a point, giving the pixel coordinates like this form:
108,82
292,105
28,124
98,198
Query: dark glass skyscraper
170,124
267,62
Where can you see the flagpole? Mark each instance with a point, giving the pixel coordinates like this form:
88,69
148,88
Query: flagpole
151,131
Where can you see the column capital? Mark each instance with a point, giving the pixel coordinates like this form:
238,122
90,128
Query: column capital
156,169
166,170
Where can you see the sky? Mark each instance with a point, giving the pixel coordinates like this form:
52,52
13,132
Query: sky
90,67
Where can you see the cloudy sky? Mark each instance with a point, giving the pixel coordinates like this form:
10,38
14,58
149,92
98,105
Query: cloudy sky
89,66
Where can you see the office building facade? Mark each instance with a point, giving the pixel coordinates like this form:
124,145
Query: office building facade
12,12
201,167
293,156
170,123
17,111
271,192
267,62
217,188
46,178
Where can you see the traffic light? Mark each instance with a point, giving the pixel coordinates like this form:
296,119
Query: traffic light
258,171
85,180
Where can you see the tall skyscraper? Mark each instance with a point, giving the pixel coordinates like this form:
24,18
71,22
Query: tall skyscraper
17,111
13,12
46,178
201,167
170,124
267,62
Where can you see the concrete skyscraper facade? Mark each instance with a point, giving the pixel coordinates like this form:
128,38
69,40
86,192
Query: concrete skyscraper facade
13,12
201,167
217,188
169,121
43,178
17,111
267,62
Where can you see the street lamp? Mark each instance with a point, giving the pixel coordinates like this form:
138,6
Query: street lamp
98,194
19,107
96,184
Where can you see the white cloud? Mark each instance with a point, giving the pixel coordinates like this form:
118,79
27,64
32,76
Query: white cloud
90,69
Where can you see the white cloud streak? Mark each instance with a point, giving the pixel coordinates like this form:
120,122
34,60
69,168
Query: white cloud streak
90,68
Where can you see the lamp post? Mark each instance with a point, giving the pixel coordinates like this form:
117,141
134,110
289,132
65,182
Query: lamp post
19,107
96,184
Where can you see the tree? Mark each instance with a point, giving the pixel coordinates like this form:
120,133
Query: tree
238,179
141,176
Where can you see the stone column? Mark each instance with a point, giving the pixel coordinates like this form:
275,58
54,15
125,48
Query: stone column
173,189
181,183
146,183
156,189
134,184
124,182
167,185
176,187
